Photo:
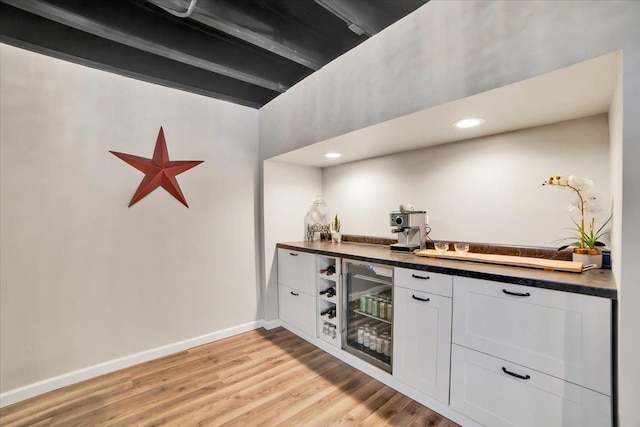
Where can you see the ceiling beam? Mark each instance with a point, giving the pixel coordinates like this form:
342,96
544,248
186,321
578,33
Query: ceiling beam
29,31
260,26
128,24
370,17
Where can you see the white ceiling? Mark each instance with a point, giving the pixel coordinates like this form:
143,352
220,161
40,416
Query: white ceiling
580,90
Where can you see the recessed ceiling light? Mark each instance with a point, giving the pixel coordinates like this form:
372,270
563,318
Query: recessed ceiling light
333,155
468,123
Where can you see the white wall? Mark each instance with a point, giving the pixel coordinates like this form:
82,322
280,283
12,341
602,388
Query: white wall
289,191
444,51
628,268
448,50
85,279
483,190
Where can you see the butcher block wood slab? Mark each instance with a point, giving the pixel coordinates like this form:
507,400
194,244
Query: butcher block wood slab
518,261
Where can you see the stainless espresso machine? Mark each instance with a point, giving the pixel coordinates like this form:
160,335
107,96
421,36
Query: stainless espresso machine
410,227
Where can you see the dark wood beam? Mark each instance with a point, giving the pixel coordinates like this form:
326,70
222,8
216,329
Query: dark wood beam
136,27
260,26
29,31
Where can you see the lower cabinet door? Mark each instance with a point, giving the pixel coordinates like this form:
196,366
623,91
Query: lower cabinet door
562,334
422,341
298,309
499,393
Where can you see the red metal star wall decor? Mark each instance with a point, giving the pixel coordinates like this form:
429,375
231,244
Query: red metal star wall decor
158,171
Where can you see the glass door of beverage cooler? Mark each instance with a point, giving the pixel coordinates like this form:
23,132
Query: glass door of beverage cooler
368,307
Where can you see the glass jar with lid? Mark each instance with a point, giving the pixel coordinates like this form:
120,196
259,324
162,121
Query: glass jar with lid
316,220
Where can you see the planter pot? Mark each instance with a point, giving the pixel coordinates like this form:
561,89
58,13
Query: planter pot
588,256
336,237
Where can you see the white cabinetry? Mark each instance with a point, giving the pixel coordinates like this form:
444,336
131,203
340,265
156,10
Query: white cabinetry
530,356
297,309
485,389
297,270
422,331
328,300
297,289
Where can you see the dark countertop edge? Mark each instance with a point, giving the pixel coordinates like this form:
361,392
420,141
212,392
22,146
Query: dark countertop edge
537,283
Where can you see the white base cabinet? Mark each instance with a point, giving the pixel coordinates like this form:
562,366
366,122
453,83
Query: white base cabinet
422,332
525,356
297,290
485,389
298,309
297,270
493,353
559,333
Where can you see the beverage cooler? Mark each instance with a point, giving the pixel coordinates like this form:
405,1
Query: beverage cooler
368,308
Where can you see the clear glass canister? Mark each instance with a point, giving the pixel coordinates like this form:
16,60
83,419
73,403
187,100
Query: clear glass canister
316,220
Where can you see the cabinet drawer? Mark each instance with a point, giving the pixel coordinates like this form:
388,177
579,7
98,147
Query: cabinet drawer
424,281
298,309
559,333
483,391
297,270
422,342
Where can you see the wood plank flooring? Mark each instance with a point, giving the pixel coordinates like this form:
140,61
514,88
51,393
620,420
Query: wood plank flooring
266,378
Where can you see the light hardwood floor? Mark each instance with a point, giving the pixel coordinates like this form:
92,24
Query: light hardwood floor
257,378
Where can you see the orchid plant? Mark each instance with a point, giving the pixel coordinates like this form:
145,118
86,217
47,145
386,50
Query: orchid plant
586,238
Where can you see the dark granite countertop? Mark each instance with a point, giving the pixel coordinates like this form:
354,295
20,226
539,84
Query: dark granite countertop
593,282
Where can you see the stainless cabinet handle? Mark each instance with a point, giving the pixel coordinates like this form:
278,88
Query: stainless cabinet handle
420,299
415,276
292,254
294,294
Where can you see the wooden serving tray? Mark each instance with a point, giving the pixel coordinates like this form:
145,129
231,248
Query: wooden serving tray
518,261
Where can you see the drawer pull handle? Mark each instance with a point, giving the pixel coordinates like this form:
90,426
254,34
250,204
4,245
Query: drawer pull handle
415,276
516,294
292,254
294,294
420,299
513,374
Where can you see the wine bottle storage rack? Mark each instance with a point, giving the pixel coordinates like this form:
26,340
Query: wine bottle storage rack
324,282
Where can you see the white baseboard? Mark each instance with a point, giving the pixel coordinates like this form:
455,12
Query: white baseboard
271,324
40,387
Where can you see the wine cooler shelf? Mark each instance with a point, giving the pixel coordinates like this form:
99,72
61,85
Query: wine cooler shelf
372,317
378,353
377,306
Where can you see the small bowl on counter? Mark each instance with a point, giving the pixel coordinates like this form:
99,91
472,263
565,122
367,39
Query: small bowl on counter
461,248
441,247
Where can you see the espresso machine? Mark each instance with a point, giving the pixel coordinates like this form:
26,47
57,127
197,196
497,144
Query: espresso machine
410,226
